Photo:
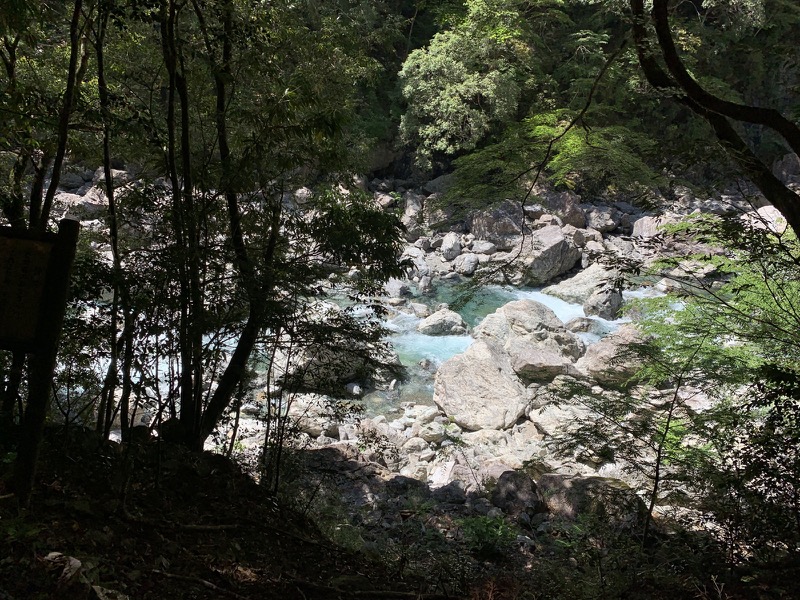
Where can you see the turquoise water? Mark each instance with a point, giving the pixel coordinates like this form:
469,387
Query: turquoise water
423,354
472,304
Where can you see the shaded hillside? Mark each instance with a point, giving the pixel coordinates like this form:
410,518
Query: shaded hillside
156,521
188,526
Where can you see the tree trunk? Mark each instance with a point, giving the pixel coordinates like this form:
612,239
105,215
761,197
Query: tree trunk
715,110
40,213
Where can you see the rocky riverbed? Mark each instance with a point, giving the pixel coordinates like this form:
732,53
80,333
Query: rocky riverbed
487,396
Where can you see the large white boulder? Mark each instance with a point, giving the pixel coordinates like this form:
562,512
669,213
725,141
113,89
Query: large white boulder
533,322
443,322
766,217
416,258
479,389
466,264
594,287
534,364
605,303
601,217
613,360
579,287
564,204
546,254
451,246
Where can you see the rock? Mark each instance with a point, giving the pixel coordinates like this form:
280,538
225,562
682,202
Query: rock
347,432
420,310
412,229
565,205
382,185
422,413
766,217
585,325
532,364
601,217
396,288
413,204
553,414
577,237
118,176
466,264
313,416
501,225
533,322
516,493
70,180
580,287
611,500
451,246
787,169
439,216
433,433
251,409
385,201
546,219
546,254
649,226
354,389
439,185
483,247
591,252
612,361
303,196
415,444
621,247
533,211
425,285
479,390
443,322
424,244
452,493
626,207
416,260
482,442
412,216
604,303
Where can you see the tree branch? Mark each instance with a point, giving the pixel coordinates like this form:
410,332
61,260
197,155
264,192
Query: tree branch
783,198
768,117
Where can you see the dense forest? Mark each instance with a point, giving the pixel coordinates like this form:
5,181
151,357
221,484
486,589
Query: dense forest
265,189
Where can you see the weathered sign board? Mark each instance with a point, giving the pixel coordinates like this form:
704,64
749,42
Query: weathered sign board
33,275
23,270
34,280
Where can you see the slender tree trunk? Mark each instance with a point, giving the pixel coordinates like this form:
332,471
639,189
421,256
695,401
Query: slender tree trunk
180,191
648,518
40,213
121,297
235,371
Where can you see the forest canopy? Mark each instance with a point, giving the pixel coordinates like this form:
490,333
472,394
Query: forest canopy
252,178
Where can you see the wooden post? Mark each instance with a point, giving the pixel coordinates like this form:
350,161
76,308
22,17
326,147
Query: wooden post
43,362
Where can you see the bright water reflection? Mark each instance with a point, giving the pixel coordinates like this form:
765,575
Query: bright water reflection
423,354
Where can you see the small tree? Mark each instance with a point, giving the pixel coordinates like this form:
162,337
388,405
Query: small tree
719,421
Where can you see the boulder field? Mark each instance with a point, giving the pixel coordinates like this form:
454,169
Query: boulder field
503,403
